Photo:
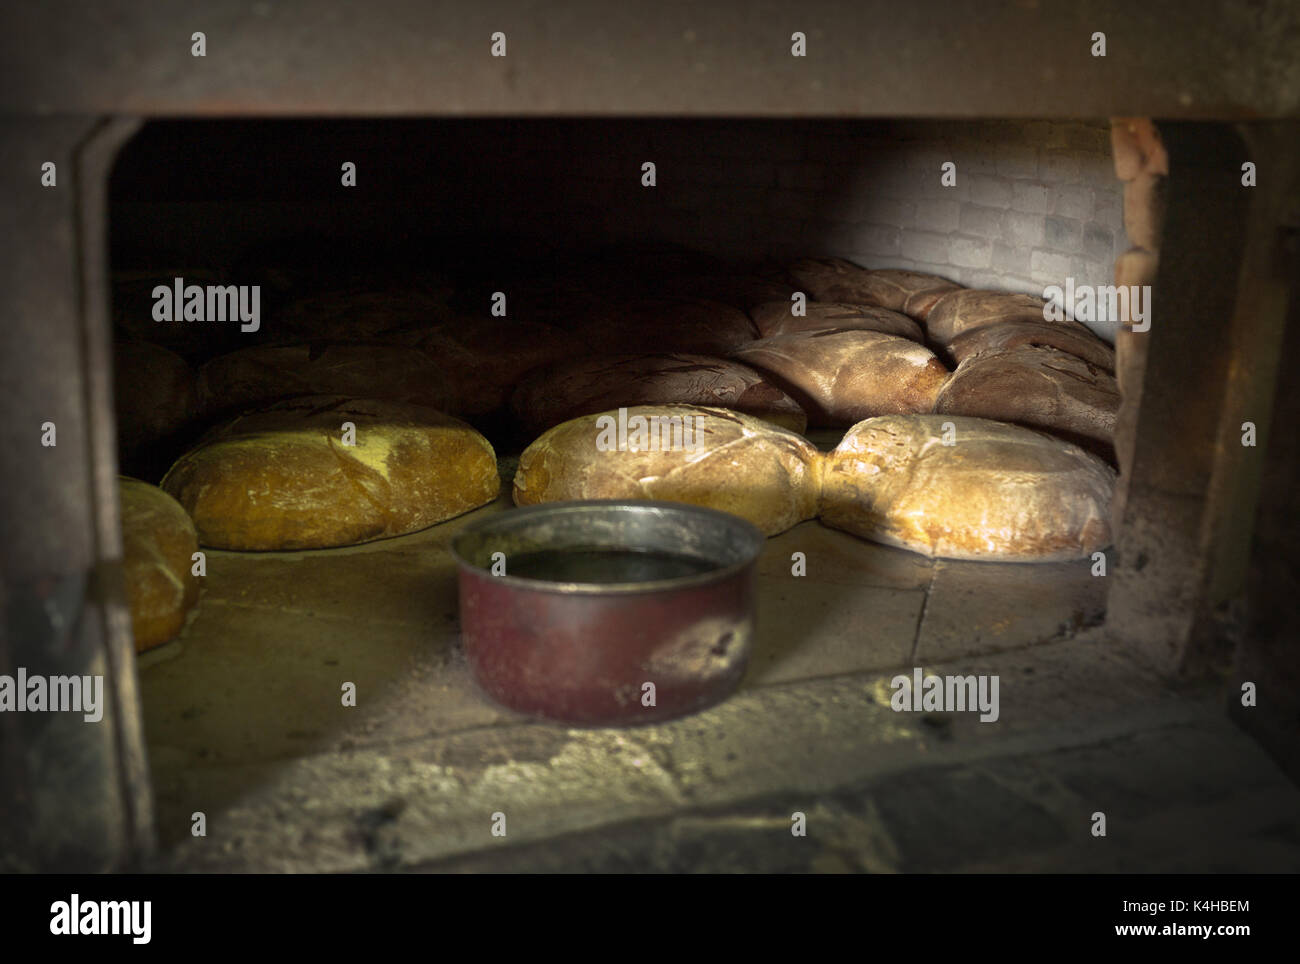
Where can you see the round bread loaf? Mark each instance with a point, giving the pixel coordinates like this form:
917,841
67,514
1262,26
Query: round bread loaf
680,453
133,305
1040,388
776,318
598,383
671,324
485,358
966,310
1006,335
914,293
283,477
158,542
257,376
841,377
153,394
998,492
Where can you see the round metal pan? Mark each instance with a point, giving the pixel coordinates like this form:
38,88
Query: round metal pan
600,653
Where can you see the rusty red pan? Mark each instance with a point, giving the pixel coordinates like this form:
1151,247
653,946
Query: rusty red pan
608,612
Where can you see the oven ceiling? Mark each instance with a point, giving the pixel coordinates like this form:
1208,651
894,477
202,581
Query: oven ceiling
1227,59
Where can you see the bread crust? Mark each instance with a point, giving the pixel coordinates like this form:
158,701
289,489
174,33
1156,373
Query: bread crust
1000,492
158,543
843,376
740,465
1040,388
281,478
598,383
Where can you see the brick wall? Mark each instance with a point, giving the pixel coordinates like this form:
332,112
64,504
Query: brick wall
1032,204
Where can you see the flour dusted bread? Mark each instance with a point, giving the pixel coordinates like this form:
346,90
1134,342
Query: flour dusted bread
282,477
729,461
598,383
841,377
1040,388
485,358
966,310
1006,335
999,492
257,376
777,318
913,293
158,541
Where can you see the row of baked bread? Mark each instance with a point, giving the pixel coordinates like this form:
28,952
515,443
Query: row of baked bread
824,363
944,486
319,472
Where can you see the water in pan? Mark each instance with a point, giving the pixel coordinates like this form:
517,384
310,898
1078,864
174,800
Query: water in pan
604,564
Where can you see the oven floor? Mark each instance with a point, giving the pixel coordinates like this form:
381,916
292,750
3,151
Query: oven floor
245,723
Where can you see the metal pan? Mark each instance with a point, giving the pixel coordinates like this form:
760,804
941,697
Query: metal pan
666,642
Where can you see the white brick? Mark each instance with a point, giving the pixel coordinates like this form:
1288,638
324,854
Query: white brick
878,239
1064,234
1027,196
1022,230
1074,201
925,247
982,222
990,190
1017,160
974,158
970,252
1049,267
1089,272
1010,259
1098,242
937,214
1061,167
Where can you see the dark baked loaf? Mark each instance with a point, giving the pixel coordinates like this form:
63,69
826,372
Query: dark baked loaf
777,318
153,394
841,377
581,386
284,477
998,492
1040,388
485,358
1005,335
257,376
158,543
833,279
962,311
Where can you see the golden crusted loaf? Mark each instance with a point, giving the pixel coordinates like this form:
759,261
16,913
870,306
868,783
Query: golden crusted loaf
282,477
158,543
999,492
737,464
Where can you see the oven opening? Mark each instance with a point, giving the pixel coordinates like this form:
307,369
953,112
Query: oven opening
597,483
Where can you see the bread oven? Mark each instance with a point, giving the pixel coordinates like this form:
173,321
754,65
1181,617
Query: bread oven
994,361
